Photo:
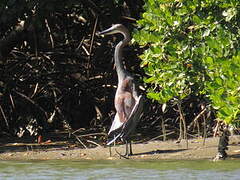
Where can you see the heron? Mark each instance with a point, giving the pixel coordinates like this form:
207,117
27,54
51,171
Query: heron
128,103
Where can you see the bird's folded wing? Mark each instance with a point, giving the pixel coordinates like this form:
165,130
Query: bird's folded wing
134,117
137,109
116,124
120,129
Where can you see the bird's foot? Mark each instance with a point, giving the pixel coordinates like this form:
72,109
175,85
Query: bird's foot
125,156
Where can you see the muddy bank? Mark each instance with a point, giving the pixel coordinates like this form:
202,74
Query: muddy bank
149,150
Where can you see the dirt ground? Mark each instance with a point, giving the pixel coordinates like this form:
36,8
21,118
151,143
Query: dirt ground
167,150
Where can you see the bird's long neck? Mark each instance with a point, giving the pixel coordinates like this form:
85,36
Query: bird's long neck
121,71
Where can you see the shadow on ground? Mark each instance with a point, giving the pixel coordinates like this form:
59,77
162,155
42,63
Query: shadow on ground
234,156
159,152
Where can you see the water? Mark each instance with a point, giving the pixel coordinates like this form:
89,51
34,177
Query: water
122,169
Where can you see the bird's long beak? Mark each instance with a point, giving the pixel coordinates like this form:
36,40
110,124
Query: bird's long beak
106,32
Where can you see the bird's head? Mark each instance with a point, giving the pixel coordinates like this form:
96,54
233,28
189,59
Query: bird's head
116,28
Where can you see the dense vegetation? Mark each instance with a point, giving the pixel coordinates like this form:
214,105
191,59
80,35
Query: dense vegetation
192,49
55,73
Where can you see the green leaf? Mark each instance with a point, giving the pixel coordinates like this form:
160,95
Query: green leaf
153,95
229,13
209,60
149,80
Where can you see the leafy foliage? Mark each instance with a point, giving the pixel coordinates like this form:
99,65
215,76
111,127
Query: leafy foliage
192,47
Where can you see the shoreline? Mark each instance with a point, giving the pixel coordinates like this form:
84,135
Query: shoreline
158,150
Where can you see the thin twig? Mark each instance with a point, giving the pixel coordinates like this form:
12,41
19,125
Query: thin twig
94,143
129,18
64,121
182,118
11,99
50,33
215,130
204,130
197,117
93,35
35,90
163,130
194,136
161,136
180,129
91,45
80,129
86,51
32,102
4,116
92,134
198,129
80,44
79,140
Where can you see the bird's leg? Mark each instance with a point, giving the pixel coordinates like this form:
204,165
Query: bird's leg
130,143
126,152
126,155
128,149
110,151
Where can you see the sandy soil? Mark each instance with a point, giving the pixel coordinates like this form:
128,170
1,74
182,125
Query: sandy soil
150,150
